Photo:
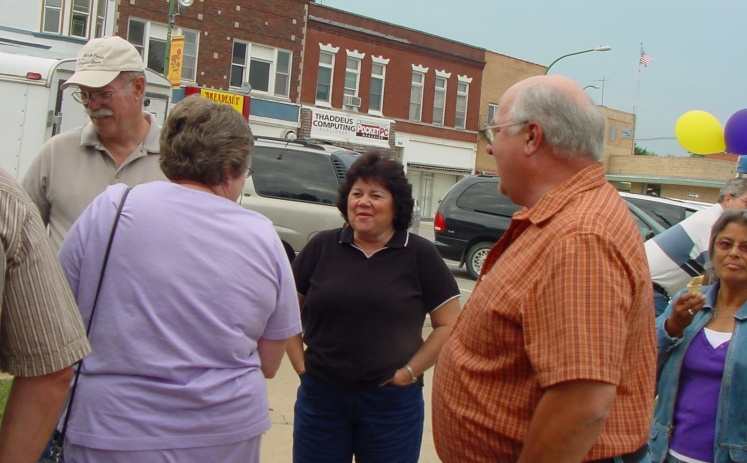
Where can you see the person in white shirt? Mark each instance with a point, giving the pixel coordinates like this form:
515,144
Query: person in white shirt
681,252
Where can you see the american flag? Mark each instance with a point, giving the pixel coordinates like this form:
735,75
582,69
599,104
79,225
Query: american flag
645,59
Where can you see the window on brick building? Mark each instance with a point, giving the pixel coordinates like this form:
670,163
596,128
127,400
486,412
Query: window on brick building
416,95
352,78
324,78
265,69
439,100
189,60
149,38
460,120
282,73
613,133
376,88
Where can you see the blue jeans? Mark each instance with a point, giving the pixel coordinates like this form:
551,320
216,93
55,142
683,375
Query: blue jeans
377,425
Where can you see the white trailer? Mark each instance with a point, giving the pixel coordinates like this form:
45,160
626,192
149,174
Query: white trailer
34,107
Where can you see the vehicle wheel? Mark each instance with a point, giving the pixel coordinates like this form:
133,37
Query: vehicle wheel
476,257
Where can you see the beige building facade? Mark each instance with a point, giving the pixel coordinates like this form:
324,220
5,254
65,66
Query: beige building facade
500,72
619,133
690,178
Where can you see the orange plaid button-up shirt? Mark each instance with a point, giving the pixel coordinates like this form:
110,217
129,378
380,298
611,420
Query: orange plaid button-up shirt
565,295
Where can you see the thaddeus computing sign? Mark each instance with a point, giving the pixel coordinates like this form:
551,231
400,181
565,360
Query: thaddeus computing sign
351,128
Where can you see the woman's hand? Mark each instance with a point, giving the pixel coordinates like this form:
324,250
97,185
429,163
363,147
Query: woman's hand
401,378
683,311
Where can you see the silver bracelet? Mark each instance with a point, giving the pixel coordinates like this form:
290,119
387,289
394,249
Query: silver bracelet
412,373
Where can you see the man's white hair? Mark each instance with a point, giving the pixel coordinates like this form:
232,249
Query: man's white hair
572,129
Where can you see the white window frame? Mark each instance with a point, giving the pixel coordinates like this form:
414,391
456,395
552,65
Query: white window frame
141,48
273,72
60,21
330,50
241,64
462,81
87,14
66,11
381,61
492,111
423,72
100,32
356,58
277,73
193,77
349,72
441,76
144,48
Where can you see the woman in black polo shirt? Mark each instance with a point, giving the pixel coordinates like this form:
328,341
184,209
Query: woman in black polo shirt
365,290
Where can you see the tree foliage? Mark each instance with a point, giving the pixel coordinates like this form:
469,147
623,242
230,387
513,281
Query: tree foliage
641,151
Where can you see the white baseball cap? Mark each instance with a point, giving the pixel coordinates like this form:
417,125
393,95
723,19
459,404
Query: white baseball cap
101,60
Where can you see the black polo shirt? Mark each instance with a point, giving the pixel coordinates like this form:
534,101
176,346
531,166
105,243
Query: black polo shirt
363,316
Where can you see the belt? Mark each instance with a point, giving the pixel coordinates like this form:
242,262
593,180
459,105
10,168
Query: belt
633,457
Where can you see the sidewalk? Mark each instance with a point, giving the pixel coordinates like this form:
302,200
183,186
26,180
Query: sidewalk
277,443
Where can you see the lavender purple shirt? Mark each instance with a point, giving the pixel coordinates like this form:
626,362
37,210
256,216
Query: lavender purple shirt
697,399
193,281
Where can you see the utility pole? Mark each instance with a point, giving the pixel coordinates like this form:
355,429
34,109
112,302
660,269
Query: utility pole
172,22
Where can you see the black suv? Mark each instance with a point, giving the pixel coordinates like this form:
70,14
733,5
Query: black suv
473,215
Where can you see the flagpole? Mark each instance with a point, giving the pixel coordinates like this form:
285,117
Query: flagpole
638,83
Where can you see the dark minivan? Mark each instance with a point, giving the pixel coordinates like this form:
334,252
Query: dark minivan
473,215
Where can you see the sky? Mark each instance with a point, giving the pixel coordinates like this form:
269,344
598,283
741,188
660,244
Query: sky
698,49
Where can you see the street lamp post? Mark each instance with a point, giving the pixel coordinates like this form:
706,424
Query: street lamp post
171,24
590,50
175,7
602,81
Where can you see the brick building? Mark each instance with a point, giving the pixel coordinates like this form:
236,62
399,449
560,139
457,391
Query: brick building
241,46
366,80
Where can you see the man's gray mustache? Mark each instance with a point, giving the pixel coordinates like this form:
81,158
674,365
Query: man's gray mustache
100,113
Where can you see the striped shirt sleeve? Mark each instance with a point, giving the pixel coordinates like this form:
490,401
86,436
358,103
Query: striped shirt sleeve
40,328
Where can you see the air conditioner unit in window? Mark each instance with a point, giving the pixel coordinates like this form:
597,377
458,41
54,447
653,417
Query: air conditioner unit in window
351,100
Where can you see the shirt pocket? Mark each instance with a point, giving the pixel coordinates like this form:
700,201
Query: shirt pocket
738,453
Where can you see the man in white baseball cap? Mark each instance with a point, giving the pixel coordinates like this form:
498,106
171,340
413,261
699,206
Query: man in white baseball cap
120,144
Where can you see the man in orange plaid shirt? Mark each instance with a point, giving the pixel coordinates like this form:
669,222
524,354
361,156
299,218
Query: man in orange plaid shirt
553,358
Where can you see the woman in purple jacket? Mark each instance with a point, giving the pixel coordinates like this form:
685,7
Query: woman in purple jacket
701,412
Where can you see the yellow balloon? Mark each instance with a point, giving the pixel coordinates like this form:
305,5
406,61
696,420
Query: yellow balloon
700,132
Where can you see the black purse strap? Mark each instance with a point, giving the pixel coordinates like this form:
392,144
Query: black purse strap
93,311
